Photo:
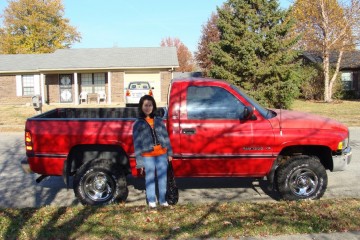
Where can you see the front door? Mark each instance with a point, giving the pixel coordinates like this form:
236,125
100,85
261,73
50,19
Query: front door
65,85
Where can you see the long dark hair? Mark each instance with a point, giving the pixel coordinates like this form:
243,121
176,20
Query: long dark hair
141,103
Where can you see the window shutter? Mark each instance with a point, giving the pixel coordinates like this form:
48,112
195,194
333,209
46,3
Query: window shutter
18,86
36,84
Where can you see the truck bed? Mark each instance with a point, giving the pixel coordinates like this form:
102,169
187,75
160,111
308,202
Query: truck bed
93,113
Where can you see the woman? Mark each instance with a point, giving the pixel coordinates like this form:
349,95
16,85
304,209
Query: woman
152,150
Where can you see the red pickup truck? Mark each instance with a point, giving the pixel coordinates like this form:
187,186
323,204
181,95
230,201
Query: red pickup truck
215,129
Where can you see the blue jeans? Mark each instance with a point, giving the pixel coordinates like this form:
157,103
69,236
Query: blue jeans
160,165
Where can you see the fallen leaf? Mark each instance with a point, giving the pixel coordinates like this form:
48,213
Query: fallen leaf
226,223
177,228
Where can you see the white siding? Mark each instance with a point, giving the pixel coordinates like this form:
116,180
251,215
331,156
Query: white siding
36,84
18,86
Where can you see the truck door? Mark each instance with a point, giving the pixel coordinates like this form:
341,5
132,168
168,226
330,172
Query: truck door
216,140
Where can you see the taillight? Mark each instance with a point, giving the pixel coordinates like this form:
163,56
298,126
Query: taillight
127,93
28,141
150,92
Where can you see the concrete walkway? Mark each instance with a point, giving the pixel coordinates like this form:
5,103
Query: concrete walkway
319,236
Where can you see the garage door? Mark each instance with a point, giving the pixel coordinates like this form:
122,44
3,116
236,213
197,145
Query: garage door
152,78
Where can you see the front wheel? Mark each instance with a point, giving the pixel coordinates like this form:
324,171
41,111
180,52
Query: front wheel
302,177
99,183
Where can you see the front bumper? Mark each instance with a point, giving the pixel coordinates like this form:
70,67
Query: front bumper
25,165
341,161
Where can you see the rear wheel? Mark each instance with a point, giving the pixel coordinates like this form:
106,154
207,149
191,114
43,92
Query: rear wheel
99,183
302,177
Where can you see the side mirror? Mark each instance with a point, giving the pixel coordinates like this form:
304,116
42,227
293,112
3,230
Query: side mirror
249,113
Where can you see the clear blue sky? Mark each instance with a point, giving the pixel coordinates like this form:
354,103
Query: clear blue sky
138,23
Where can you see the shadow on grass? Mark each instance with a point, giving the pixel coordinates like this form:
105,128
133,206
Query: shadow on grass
240,185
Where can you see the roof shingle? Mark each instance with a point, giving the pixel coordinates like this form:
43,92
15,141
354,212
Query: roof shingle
92,58
350,59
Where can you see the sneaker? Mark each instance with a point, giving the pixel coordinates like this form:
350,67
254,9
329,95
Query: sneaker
165,204
152,204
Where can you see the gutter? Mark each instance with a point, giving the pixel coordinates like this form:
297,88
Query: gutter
82,69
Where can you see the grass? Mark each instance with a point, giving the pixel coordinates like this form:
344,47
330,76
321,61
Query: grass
13,117
346,112
217,220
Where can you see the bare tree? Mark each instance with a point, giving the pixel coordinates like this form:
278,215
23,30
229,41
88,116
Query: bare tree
210,34
328,26
186,62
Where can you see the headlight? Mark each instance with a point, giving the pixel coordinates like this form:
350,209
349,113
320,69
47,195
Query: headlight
343,144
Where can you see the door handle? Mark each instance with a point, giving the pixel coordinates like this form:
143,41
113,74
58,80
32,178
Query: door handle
188,131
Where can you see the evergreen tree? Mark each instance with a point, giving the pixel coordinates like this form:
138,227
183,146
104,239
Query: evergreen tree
255,51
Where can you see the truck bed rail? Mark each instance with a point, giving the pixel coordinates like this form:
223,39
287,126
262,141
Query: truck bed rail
71,113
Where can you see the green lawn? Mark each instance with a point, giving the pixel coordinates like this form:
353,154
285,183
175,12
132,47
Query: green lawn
347,112
216,220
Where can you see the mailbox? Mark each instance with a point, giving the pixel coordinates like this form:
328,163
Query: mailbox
37,102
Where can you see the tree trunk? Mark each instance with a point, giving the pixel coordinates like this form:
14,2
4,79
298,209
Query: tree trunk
333,79
326,66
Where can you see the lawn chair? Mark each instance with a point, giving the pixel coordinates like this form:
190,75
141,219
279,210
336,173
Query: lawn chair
101,96
83,97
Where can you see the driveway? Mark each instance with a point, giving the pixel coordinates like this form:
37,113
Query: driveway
18,189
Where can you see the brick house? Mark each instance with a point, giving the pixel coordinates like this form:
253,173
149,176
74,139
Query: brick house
349,68
61,76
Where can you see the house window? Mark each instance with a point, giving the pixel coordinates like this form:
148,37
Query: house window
347,79
93,82
28,85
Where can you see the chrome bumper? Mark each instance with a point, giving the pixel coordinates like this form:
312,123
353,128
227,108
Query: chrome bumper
341,161
25,165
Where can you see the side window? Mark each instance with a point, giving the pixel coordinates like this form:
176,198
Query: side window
93,82
212,103
28,85
347,78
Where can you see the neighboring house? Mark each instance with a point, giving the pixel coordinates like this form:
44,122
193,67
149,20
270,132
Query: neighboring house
61,77
349,68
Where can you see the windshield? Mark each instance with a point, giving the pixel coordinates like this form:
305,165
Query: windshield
266,113
139,85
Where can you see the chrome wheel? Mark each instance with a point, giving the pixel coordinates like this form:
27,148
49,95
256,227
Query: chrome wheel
98,186
303,182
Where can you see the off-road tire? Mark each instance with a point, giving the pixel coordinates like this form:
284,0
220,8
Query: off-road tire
302,177
99,183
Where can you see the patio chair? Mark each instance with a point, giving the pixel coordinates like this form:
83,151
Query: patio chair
101,96
83,97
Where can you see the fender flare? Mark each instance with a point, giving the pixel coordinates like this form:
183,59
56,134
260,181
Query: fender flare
77,158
